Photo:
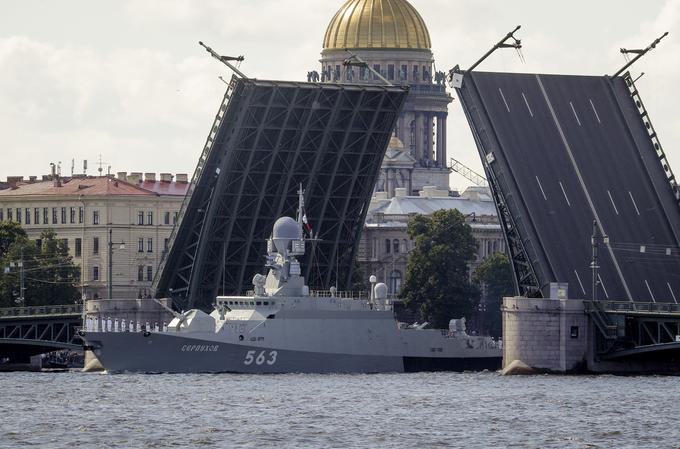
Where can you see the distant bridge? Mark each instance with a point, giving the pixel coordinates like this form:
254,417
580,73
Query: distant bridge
27,331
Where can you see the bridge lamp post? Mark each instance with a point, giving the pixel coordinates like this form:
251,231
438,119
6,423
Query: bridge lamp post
121,245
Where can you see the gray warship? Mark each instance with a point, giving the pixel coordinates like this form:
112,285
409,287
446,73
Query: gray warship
282,326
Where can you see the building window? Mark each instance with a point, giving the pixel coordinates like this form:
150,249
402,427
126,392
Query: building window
140,272
9,214
174,217
36,215
336,76
362,73
415,73
46,215
403,75
140,245
149,273
149,245
2,212
18,215
149,218
79,247
166,217
65,243
376,67
95,273
72,215
166,243
95,217
390,71
395,281
38,243
404,246
140,217
27,215
54,215
395,246
574,332
81,214
95,245
63,215
388,243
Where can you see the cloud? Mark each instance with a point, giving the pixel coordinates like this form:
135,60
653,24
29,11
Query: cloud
131,105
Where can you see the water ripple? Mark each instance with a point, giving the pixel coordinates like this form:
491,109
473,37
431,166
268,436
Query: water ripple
424,410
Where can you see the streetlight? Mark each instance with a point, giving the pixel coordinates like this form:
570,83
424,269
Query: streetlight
121,246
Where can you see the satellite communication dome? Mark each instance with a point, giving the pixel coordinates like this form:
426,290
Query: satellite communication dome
285,230
380,290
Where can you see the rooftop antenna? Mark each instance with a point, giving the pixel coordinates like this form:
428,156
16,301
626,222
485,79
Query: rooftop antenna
639,53
85,167
503,43
222,79
225,59
356,61
101,163
73,166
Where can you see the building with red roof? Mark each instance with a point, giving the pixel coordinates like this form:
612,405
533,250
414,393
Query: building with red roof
137,210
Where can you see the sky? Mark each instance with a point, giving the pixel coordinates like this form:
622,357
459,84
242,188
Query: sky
125,82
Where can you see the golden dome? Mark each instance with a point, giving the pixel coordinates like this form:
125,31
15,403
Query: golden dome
377,24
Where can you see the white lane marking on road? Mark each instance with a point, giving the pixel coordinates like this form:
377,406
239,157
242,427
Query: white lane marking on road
527,103
650,291
583,186
575,115
672,294
603,287
633,200
579,282
503,97
564,193
541,187
612,200
597,116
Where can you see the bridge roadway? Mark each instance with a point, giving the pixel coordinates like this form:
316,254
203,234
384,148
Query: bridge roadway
27,331
567,150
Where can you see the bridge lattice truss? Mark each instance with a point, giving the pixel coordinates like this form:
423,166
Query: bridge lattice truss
267,139
50,328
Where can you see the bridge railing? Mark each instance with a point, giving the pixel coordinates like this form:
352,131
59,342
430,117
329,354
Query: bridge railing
628,306
67,309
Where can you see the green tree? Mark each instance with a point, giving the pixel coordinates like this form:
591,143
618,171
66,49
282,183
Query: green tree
10,232
494,278
437,282
50,277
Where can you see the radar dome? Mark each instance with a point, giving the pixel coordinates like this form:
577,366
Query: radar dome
380,290
285,230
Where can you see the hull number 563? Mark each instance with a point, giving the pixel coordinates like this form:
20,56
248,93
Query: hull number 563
259,359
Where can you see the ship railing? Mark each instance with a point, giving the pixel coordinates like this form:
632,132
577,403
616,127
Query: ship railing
110,324
348,294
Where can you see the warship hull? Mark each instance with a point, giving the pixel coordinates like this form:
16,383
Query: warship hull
163,352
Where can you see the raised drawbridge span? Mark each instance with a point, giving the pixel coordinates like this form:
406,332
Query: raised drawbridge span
563,151
268,138
585,196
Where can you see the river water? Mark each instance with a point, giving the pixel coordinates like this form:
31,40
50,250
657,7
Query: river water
424,410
